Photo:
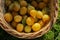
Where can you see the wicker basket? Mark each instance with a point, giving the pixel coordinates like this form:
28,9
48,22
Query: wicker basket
5,26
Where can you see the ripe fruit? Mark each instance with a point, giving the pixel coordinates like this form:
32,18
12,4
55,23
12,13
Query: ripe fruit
14,14
36,19
42,5
23,10
14,7
8,17
30,21
30,8
41,23
27,29
19,27
44,11
46,1
39,14
46,18
14,24
34,3
33,13
23,3
17,18
27,15
36,27
7,2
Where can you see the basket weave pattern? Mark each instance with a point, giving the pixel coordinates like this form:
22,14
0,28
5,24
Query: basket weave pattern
53,12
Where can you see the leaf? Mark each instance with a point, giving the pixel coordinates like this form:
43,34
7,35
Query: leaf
49,36
58,37
57,27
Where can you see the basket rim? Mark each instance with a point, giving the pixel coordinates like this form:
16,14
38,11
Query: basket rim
25,35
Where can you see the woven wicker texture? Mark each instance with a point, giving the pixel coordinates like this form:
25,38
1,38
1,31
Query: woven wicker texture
53,13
